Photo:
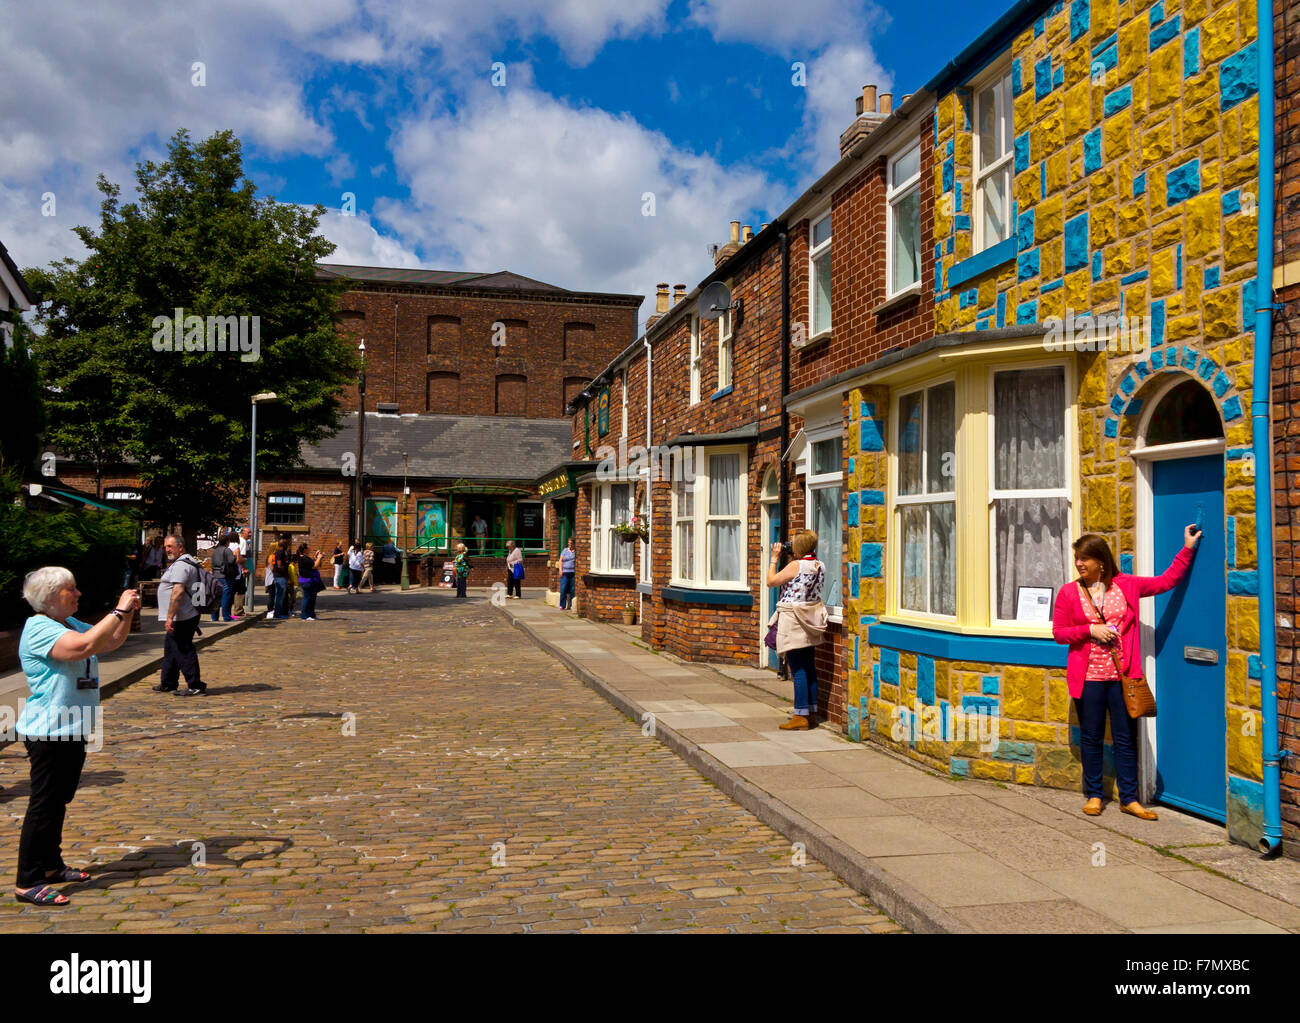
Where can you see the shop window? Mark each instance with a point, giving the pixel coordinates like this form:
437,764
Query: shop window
285,509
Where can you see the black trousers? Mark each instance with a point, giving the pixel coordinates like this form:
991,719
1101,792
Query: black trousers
514,586
56,772
461,582
179,655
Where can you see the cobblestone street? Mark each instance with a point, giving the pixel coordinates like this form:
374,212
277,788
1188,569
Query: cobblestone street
483,789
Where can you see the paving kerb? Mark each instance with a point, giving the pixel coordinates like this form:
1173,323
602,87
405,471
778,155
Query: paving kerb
900,901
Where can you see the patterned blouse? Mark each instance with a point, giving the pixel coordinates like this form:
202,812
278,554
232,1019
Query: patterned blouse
806,587
1101,665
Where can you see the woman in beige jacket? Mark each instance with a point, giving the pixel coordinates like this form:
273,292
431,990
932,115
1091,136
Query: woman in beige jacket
800,620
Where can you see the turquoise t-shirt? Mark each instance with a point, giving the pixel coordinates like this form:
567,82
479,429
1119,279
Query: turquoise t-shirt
57,709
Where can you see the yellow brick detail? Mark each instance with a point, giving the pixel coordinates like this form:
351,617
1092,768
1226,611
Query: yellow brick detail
1058,171
1133,48
1202,213
991,769
1078,110
1135,300
1047,219
1076,202
1076,290
1219,35
1247,608
1245,745
1102,20
1051,304
1028,188
1035,731
1132,218
1103,294
1162,273
1167,233
1165,79
1237,678
1023,106
1101,186
1200,123
1023,693
1180,328
1117,135
1194,11
1220,312
1157,143
1239,240
1058,698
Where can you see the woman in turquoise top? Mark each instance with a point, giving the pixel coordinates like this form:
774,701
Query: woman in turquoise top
57,653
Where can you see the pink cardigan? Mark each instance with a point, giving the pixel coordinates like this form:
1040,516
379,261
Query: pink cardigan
1070,624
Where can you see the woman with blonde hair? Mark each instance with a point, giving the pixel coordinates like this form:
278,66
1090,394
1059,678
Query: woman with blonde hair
799,621
462,569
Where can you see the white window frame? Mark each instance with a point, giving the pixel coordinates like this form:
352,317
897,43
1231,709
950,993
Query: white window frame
696,360
643,509
701,518
1000,81
603,536
901,501
624,375
824,481
894,196
815,329
1063,491
726,350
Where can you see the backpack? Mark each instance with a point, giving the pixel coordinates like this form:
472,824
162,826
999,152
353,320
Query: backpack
204,592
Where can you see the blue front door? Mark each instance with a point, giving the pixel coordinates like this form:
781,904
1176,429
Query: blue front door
1190,642
773,535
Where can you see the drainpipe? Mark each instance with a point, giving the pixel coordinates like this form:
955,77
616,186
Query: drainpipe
1261,437
785,381
649,493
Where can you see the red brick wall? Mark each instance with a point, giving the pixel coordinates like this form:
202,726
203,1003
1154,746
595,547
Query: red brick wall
445,359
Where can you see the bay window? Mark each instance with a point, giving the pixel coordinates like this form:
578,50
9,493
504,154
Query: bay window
610,506
709,519
926,501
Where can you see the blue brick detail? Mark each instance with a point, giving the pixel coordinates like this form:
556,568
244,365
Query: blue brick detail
948,247
1018,752
1238,77
1158,328
875,681
1243,584
1254,666
1232,409
1178,268
889,667
1118,100
1232,202
1157,14
972,703
1076,243
1117,405
1248,302
1142,370
1027,312
1206,368
1190,357
1025,231
1002,309
1133,278
855,576
925,680
854,728
947,174
1017,87
1028,264
948,151
1106,43
1108,58
1092,151
1058,77
1042,179
869,438
1161,34
873,497
871,560
1140,185
1079,11
1040,26
1212,274
853,510
1157,360
1128,385
1052,285
1192,52
1171,357
1237,454
990,685
1221,384
1126,564
1134,408
1230,540
1112,427
1183,183
1096,265
959,767
1022,153
961,222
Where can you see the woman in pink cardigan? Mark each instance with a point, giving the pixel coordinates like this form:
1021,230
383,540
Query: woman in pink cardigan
1092,613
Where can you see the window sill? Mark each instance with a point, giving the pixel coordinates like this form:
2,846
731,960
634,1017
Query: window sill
981,263
946,645
816,341
690,595
285,527
905,296
621,579
722,393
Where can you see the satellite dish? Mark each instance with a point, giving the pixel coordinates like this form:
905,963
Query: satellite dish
713,301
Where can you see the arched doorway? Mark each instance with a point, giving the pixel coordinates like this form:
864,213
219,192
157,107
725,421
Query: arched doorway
770,500
1180,480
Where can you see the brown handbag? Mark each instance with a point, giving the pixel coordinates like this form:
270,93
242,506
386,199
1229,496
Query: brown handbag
1139,701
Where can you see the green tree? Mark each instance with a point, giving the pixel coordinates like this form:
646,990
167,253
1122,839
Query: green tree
197,239
23,421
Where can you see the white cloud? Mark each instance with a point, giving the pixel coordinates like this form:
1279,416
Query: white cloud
359,243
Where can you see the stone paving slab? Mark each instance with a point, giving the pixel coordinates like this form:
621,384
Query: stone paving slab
943,854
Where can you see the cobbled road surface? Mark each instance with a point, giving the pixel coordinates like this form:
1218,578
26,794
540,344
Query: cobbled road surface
409,762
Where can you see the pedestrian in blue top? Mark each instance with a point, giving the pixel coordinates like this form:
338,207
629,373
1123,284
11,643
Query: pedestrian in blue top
568,567
57,653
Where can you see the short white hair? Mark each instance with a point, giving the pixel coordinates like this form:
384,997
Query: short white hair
40,586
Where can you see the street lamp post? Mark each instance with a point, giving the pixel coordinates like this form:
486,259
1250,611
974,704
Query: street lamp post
265,398
406,493
357,535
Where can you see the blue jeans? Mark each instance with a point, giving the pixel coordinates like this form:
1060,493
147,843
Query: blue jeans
227,602
803,669
566,590
1098,697
308,600
279,592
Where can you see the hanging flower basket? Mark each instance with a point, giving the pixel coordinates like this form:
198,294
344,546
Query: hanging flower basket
630,532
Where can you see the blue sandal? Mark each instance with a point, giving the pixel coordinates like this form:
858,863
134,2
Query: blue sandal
42,895
67,876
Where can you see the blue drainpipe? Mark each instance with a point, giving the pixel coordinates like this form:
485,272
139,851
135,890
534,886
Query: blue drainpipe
1261,438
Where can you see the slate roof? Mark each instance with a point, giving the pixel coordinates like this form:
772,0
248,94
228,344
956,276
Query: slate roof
449,447
501,280
14,272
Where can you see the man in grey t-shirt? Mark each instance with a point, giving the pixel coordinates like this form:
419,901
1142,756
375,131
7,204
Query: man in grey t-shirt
177,610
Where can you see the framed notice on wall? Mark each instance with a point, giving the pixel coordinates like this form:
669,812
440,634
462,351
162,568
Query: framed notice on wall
1033,603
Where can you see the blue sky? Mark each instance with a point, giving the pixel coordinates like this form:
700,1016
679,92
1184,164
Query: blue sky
394,102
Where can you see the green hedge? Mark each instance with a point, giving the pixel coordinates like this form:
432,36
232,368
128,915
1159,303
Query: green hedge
91,544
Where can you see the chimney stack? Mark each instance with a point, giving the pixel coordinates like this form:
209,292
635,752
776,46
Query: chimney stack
661,297
679,293
871,112
886,103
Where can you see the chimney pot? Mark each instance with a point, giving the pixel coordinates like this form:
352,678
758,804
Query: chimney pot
735,230
868,100
906,97
679,293
749,234
764,227
886,102
661,297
